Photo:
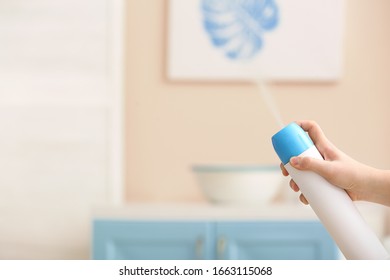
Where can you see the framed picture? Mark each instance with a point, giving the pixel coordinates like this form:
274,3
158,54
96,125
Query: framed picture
280,40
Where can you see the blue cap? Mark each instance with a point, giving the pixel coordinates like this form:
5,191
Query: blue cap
291,141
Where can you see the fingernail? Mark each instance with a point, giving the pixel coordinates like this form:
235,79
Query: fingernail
295,161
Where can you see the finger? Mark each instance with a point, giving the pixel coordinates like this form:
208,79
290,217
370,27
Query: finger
294,186
322,167
284,170
303,199
316,134
313,129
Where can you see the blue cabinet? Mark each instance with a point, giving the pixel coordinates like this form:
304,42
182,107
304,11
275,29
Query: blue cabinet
129,240
158,240
274,240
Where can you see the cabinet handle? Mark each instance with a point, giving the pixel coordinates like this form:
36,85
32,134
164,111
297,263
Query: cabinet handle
221,247
199,248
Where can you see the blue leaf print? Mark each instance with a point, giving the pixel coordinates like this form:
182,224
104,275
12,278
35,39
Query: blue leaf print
237,26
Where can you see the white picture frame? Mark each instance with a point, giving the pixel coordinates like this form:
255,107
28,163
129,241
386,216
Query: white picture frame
301,40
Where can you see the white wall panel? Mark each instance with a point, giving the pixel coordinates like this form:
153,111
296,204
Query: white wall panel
55,125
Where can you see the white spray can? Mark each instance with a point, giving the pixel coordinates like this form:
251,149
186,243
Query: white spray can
332,205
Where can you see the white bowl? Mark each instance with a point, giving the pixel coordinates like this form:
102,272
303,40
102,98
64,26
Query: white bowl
238,184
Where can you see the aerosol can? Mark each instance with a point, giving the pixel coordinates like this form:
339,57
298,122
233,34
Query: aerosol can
332,205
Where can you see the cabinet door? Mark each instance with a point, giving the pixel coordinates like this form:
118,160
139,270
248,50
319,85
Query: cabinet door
155,240
274,240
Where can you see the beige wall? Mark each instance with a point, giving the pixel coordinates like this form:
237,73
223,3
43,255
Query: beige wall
171,125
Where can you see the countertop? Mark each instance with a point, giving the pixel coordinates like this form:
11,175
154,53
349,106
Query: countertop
204,211
373,214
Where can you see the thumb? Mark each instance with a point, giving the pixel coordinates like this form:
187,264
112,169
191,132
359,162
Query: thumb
307,163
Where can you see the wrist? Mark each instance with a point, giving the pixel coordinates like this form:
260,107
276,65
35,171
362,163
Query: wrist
378,187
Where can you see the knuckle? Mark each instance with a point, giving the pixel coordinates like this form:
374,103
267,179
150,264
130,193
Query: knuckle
312,123
306,162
